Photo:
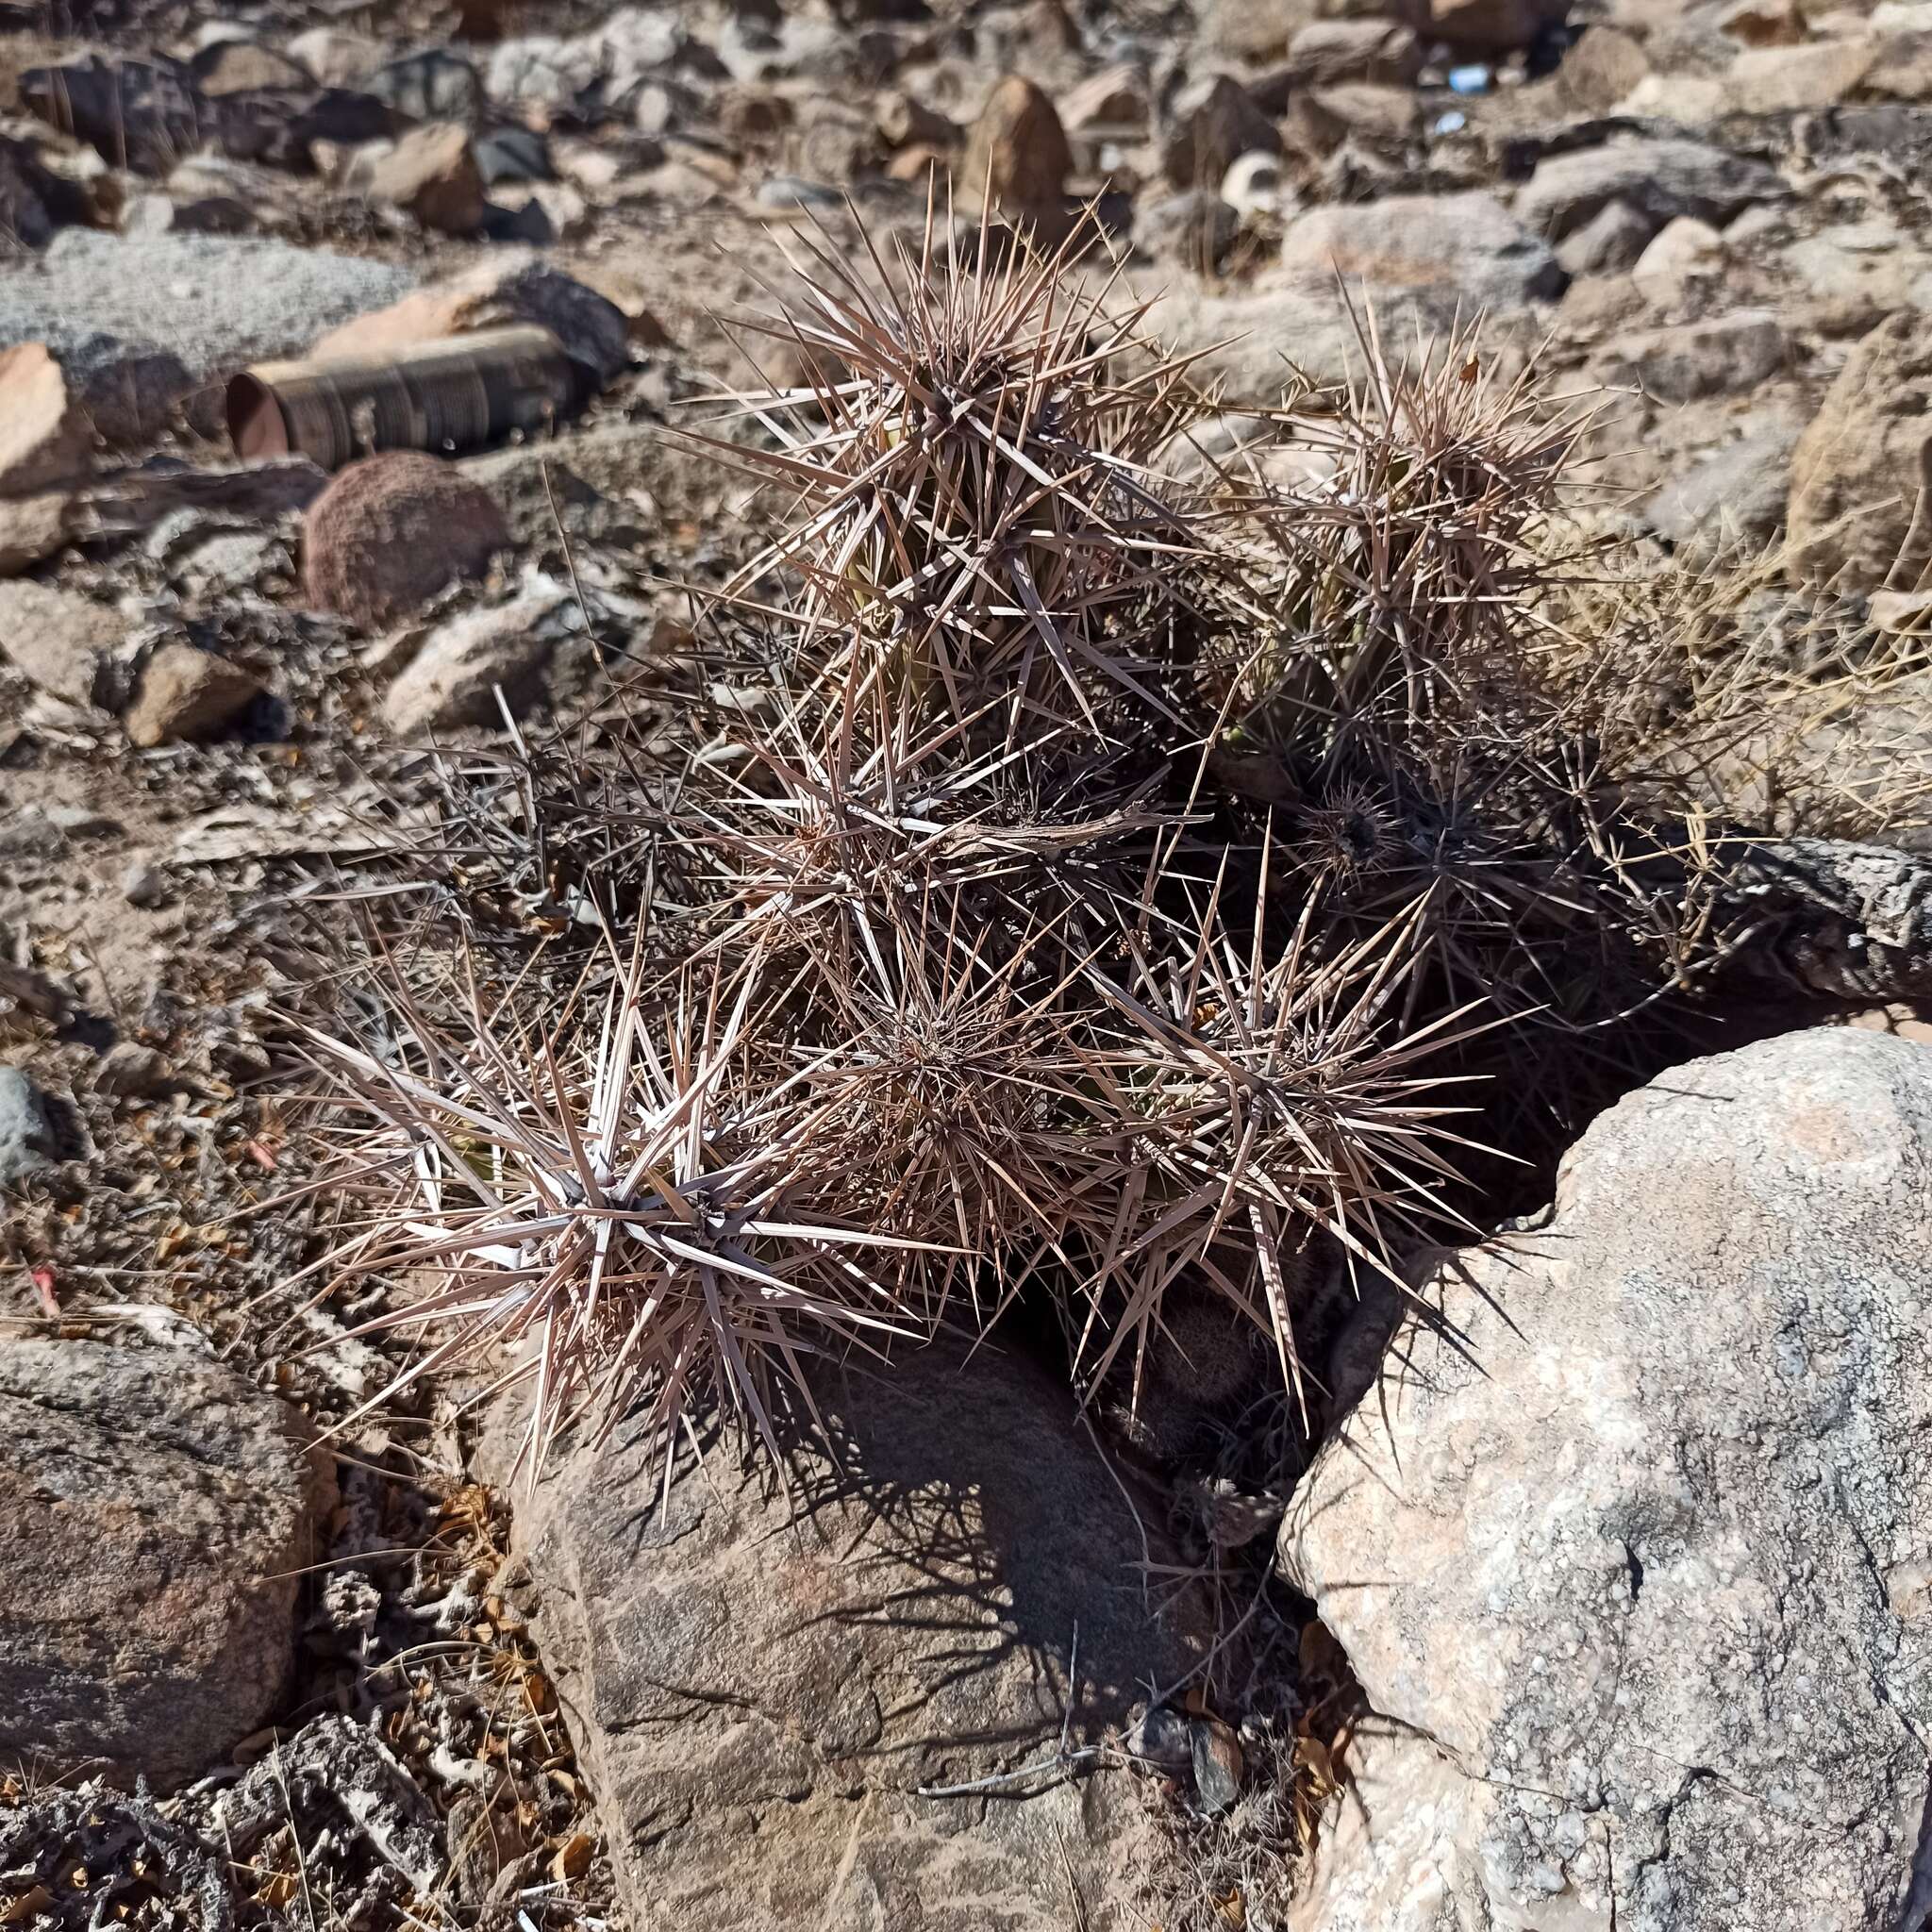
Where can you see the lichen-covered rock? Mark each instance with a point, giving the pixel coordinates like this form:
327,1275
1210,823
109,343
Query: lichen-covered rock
393,531
1638,1542
153,1513
758,1682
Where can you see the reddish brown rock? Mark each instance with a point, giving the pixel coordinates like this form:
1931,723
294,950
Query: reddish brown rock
1493,26
431,174
155,1517
1017,155
43,433
389,532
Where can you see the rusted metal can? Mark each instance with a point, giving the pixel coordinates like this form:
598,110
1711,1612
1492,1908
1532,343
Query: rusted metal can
456,393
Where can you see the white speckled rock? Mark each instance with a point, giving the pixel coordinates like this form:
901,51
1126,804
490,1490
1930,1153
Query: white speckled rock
1646,1551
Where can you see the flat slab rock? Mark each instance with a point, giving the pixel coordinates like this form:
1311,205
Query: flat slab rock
758,1682
153,1509
1640,1561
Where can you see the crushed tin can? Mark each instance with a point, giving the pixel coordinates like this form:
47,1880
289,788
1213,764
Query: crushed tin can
459,392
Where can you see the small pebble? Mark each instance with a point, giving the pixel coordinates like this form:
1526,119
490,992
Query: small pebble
26,1134
132,1071
1162,1738
145,886
1217,1766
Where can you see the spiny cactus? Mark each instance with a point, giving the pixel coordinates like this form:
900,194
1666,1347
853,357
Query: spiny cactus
609,1206
1404,588
972,511
1112,897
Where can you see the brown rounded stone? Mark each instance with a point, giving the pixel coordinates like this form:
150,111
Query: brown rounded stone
390,531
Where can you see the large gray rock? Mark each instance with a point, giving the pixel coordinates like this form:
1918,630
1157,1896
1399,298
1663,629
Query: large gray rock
1734,498
1248,338
140,323
1870,266
153,1513
1419,263
1639,1544
758,1682
1659,179
1725,355
1469,243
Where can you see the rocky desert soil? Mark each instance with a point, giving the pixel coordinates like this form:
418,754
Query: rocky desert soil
248,1678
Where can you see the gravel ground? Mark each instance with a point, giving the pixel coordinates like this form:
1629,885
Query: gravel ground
182,307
